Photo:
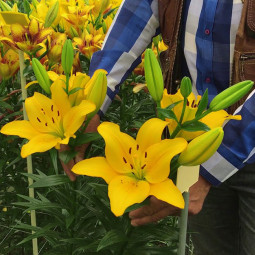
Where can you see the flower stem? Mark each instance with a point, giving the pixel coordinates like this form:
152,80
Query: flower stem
183,225
29,158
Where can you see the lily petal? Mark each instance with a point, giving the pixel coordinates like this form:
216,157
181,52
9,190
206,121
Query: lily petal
96,167
60,97
74,118
40,143
21,128
117,147
168,192
150,133
159,158
125,191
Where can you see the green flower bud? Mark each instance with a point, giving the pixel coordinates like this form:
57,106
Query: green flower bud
201,148
73,32
67,56
95,90
231,95
51,14
186,87
4,6
41,75
153,75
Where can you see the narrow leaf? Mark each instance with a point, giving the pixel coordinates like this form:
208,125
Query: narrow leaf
202,104
195,126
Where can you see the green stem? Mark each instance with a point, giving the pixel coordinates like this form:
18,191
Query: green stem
29,158
67,83
183,225
183,109
158,114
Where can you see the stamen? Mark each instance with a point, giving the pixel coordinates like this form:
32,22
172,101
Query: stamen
193,102
145,155
52,108
131,166
143,166
130,149
137,147
124,160
53,120
38,119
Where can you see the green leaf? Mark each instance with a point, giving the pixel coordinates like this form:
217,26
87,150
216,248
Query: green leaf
72,91
87,138
112,237
49,181
6,105
168,114
66,156
54,159
202,104
192,126
26,7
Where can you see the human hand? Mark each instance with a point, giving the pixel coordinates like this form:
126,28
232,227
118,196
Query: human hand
158,209
92,127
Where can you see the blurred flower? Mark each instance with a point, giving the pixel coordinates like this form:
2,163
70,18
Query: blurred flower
90,41
135,169
9,64
27,39
51,121
212,120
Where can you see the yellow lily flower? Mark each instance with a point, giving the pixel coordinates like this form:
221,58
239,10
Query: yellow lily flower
55,46
90,41
135,169
51,121
27,39
212,120
9,64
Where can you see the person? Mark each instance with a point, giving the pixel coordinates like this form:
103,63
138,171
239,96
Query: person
212,42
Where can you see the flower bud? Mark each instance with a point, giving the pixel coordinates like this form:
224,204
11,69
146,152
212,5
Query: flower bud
51,14
4,6
41,75
231,95
201,148
67,56
95,90
73,32
153,75
186,87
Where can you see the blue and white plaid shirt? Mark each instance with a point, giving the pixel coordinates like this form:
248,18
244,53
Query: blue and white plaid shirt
210,29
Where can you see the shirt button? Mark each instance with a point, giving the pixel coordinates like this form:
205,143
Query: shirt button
207,31
208,80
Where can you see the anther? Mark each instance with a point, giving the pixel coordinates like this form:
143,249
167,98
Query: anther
193,102
187,102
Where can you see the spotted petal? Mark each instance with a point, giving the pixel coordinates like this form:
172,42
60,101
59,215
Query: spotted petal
159,158
125,191
118,146
150,133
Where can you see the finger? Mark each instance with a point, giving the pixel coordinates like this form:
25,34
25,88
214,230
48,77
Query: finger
152,218
146,210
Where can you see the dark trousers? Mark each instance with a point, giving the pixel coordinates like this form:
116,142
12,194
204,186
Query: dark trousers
226,224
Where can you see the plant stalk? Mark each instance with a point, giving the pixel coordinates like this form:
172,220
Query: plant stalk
183,225
29,158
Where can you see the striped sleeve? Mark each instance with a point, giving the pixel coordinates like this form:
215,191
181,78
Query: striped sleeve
237,148
132,30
